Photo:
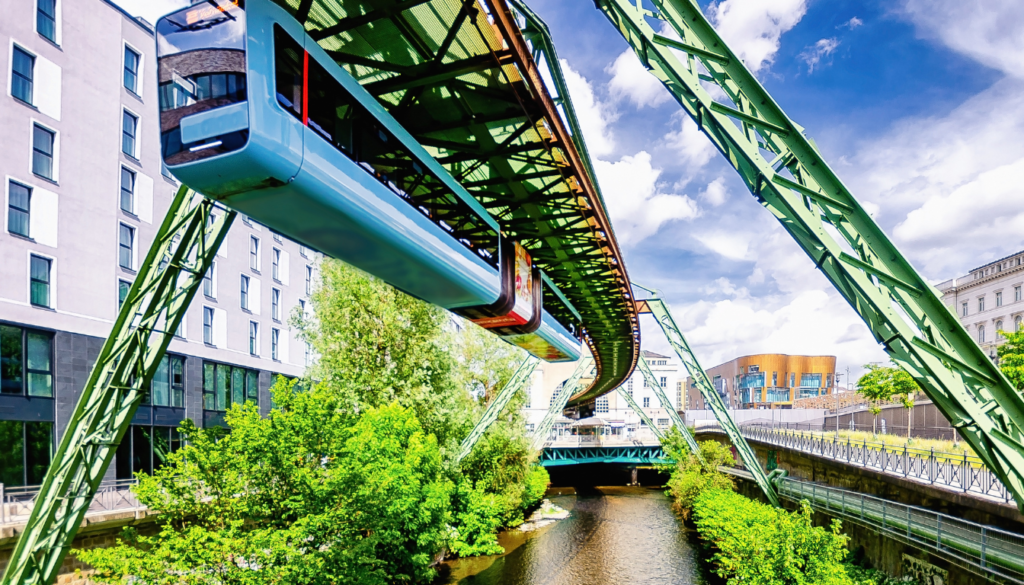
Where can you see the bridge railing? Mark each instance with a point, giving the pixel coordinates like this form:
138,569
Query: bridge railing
16,502
961,472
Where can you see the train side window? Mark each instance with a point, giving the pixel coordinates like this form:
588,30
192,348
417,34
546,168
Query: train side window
288,72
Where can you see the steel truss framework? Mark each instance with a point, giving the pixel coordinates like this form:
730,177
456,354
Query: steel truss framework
673,414
562,394
517,381
180,255
643,415
647,455
460,76
675,338
785,172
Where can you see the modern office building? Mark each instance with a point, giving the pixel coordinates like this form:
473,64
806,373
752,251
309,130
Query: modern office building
771,380
84,194
549,378
988,299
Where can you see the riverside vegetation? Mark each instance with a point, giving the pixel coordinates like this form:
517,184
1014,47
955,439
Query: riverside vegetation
351,478
753,543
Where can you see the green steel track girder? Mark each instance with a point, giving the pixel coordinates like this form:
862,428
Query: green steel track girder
558,401
785,172
643,415
645,369
518,380
166,283
711,397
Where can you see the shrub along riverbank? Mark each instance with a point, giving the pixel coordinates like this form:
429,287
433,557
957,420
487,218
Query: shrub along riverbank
753,543
352,476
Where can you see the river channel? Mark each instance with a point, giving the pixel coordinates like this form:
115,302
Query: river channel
613,535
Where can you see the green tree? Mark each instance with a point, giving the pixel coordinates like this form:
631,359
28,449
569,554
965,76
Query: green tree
692,476
882,384
309,494
485,362
1011,357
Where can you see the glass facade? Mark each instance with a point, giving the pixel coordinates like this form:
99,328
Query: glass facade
18,208
145,448
810,380
26,362
225,385
752,380
168,385
25,452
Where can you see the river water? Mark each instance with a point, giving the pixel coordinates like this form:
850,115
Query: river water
613,535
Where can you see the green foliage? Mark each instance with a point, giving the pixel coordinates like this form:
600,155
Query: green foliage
1011,357
757,544
884,383
308,494
691,476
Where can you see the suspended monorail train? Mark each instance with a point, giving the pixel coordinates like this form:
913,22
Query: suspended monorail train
255,114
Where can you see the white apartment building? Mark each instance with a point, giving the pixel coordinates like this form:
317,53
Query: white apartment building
988,299
84,194
549,377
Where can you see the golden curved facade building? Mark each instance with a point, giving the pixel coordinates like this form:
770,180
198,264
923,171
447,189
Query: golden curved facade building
769,380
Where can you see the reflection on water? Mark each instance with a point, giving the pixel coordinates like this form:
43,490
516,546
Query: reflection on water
614,535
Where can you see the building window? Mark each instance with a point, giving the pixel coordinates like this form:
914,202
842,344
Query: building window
276,264
999,299
302,307
131,70
129,128
28,447
22,69
127,191
963,309
39,281
981,304
18,197
168,385
792,379
629,387
208,325
145,448
647,401
275,304
664,382
999,327
245,292
1018,323
274,339
662,422
602,404
254,252
254,338
309,280
277,237
26,362
208,288
1016,293
42,151
126,247
46,19
123,286
981,334
226,385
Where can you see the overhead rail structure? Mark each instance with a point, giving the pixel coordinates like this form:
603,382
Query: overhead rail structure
459,76
558,401
673,414
520,378
643,415
788,176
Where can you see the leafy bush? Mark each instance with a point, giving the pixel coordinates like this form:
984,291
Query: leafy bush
757,544
691,476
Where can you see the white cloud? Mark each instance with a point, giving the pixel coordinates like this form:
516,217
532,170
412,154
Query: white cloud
594,116
716,193
752,28
631,80
635,205
822,49
852,23
729,244
692,145
151,10
991,33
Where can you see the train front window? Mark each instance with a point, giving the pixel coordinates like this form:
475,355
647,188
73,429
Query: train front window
201,66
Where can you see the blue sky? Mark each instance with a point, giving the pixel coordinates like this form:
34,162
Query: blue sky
918,105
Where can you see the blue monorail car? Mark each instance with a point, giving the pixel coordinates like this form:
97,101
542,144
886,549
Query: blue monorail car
255,114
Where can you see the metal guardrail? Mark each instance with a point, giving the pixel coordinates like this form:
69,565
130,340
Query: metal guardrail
16,502
985,550
955,471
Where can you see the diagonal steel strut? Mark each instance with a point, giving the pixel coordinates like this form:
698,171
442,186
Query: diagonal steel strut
645,369
711,397
785,172
149,316
643,415
558,402
518,380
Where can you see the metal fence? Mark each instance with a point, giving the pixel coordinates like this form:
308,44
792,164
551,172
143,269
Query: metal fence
983,549
16,503
956,471
847,423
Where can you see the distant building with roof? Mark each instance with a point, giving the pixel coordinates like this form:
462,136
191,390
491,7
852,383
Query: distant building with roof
771,380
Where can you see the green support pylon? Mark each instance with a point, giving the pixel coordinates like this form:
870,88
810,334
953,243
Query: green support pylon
643,415
785,172
711,397
558,401
162,292
518,380
645,369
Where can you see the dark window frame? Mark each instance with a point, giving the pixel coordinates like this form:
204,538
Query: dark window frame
33,280
126,252
243,287
14,210
18,76
23,359
275,340
208,336
254,338
131,71
208,289
123,286
221,398
129,193
43,18
275,304
254,253
39,154
31,471
129,137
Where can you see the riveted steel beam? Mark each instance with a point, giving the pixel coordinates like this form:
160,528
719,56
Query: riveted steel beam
520,378
655,385
562,394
